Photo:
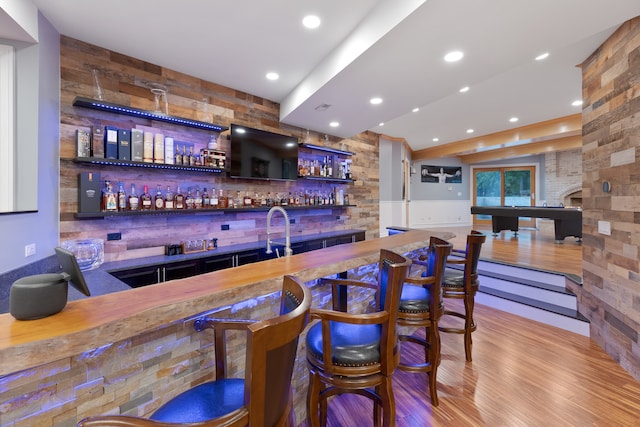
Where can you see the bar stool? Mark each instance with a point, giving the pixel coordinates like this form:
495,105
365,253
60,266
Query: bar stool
464,285
421,306
357,353
262,398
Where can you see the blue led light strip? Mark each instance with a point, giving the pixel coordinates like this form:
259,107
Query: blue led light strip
121,109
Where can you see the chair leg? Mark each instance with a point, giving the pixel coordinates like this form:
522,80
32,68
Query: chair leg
434,361
388,403
313,400
469,325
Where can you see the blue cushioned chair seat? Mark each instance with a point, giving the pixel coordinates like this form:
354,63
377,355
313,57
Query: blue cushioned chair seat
414,298
204,402
353,345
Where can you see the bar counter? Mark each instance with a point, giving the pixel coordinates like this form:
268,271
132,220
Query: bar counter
97,321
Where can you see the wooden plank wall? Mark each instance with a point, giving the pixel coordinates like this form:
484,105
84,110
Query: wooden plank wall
610,296
124,81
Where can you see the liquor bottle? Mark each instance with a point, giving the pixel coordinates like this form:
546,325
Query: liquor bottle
192,159
214,198
291,199
206,199
230,201
256,200
329,173
238,202
178,157
284,201
158,200
145,199
197,199
133,199
168,199
323,166
122,197
223,202
269,199
111,201
178,199
103,195
299,198
263,200
189,201
247,200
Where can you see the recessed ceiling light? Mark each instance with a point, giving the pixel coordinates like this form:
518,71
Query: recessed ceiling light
376,101
470,131
381,124
273,76
577,103
436,139
415,110
334,124
464,89
311,21
513,119
454,56
542,56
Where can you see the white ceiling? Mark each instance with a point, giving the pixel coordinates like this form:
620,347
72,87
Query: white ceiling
388,48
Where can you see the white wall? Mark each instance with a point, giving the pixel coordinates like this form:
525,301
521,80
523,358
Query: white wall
40,122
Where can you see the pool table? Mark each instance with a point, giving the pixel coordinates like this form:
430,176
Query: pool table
567,221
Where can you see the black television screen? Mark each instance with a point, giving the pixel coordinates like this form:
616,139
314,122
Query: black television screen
259,154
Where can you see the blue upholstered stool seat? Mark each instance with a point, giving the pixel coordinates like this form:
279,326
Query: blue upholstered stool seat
353,345
203,402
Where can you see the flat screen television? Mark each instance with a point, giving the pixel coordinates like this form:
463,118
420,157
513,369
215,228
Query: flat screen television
258,154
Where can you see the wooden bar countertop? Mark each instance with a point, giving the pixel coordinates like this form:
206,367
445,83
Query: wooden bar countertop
93,322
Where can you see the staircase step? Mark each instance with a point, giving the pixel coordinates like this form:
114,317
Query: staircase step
531,293
549,314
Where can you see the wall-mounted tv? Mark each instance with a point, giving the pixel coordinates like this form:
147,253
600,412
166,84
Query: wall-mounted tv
259,154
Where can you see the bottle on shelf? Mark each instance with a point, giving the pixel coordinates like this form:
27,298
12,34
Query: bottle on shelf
238,202
247,200
230,201
168,199
223,202
256,200
158,199
111,200
133,199
206,199
122,198
178,156
178,199
269,199
214,198
189,200
197,199
145,199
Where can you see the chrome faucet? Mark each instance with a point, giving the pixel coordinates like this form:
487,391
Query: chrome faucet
287,244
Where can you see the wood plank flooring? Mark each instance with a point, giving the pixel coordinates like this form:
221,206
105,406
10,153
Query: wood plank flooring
524,373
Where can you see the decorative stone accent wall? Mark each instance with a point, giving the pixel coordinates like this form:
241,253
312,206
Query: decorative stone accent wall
610,295
124,81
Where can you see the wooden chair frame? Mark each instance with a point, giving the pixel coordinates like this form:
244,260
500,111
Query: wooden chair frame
440,250
327,379
263,337
469,258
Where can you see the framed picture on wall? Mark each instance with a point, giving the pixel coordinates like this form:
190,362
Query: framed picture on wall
441,174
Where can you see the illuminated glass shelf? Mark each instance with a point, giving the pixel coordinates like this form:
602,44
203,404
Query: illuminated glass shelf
151,115
326,149
161,212
130,163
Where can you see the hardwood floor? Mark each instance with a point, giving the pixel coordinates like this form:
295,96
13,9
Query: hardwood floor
524,373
